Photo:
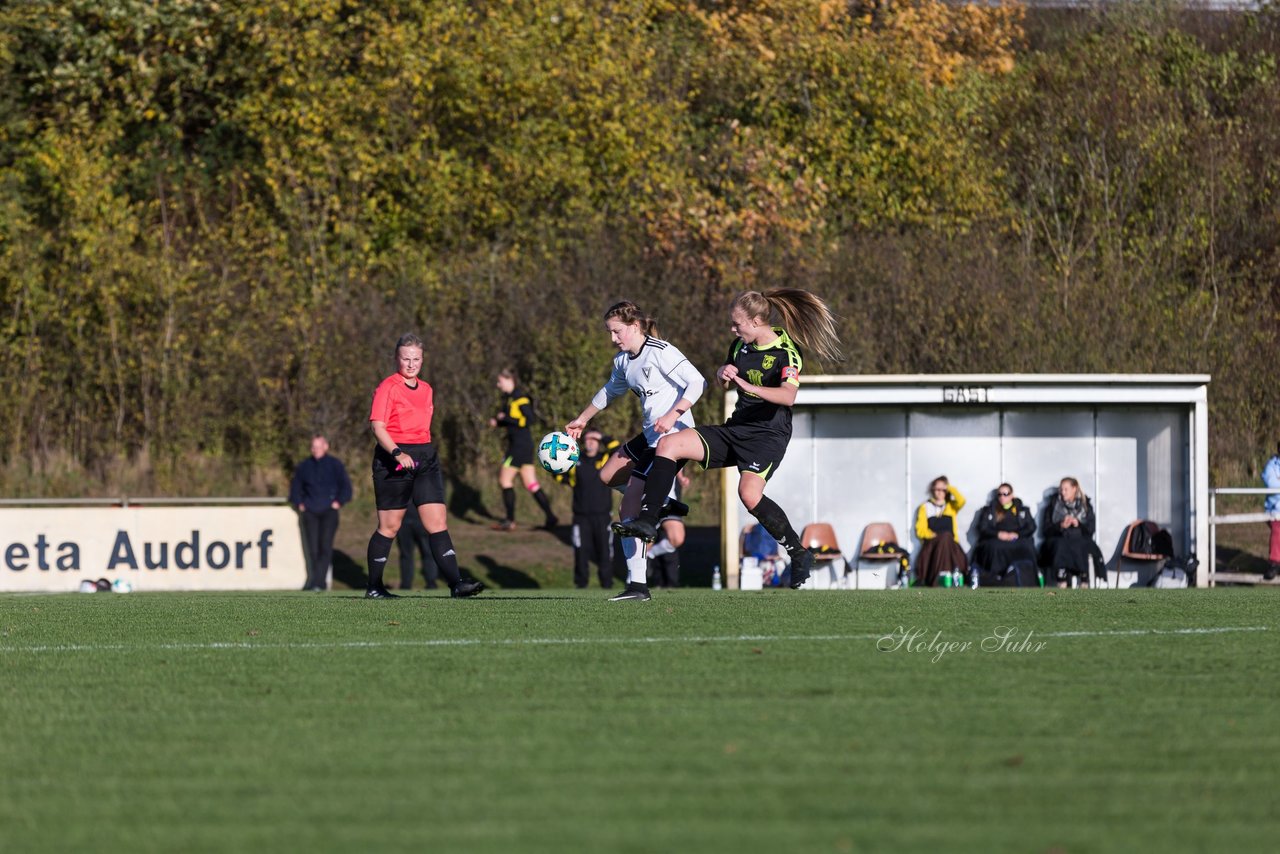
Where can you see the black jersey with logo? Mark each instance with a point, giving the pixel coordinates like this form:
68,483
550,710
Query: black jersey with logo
516,414
769,365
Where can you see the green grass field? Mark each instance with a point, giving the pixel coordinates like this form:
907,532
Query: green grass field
555,721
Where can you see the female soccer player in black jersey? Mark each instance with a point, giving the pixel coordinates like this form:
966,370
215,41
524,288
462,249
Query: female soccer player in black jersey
517,411
764,363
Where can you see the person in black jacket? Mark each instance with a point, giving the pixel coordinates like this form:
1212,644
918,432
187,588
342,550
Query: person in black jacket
1069,524
592,511
320,487
1006,537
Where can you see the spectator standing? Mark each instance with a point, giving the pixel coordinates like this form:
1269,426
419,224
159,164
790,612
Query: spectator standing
1271,479
413,538
592,511
320,487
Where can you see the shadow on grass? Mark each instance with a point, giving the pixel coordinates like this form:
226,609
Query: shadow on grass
490,596
465,500
438,595
563,533
506,576
1238,560
348,572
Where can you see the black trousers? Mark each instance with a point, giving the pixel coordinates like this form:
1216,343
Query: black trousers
318,530
592,543
413,537
664,570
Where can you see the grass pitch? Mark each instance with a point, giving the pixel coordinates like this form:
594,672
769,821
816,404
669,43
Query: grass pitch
701,721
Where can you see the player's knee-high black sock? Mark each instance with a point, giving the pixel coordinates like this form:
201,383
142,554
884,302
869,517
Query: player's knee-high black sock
379,550
509,503
657,486
775,521
446,558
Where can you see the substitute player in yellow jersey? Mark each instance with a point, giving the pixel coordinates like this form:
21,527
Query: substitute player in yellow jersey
515,415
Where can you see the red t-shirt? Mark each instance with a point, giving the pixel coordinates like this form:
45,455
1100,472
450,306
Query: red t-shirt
406,411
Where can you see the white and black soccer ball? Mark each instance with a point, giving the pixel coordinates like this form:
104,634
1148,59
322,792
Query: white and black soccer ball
558,452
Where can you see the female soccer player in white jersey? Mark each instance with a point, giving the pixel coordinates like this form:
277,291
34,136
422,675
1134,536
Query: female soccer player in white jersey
668,385
764,364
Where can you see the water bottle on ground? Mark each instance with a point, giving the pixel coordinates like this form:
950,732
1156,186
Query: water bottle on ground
716,584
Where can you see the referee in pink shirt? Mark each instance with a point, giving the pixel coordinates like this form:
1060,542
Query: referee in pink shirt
406,471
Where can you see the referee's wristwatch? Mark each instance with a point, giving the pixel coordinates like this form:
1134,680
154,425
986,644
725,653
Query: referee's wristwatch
395,452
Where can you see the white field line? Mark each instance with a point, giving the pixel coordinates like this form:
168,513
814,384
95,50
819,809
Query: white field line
687,639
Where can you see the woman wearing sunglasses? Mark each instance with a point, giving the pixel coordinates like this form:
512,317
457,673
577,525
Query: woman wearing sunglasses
1006,539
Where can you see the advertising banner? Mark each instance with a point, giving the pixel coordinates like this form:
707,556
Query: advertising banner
54,549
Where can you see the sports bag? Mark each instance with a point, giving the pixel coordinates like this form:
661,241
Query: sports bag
1175,573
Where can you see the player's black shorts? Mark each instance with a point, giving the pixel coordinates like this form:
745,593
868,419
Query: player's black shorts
519,449
395,487
748,447
638,450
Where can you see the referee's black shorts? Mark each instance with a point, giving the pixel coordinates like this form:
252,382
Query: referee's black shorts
395,487
519,449
748,447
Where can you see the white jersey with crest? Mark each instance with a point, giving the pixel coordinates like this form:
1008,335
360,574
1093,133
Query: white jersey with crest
659,375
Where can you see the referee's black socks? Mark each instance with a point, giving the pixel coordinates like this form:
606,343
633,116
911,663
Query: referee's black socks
446,558
379,551
662,474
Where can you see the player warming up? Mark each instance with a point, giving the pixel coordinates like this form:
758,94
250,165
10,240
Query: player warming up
764,363
517,411
406,471
668,385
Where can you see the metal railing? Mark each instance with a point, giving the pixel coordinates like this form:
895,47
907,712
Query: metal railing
1231,518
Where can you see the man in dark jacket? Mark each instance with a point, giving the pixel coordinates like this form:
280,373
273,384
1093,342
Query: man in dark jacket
320,488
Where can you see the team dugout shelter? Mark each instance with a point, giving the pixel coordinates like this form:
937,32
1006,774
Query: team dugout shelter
865,448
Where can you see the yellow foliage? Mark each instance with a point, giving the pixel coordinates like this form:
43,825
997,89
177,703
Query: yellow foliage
944,39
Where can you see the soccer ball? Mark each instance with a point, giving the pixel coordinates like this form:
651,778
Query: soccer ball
558,452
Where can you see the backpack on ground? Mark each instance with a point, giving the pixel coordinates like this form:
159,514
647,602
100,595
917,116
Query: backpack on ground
1176,573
